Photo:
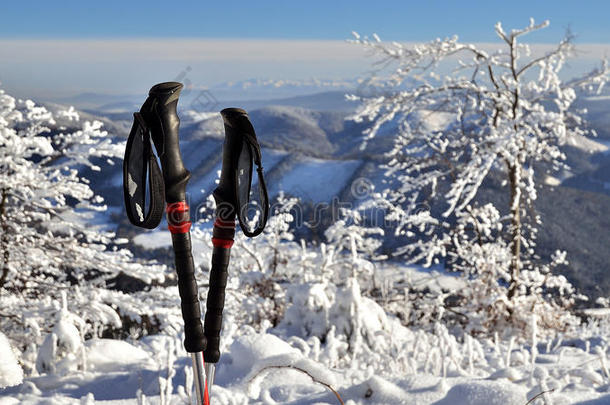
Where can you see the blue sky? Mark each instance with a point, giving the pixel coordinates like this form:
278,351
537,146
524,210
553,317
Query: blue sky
119,47
312,19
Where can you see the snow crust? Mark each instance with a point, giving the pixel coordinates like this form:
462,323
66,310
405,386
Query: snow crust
10,371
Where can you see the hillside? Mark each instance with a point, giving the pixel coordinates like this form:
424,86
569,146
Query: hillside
315,155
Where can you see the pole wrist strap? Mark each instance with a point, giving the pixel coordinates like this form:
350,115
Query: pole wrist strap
139,163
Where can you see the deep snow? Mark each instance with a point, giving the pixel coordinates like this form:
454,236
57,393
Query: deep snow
282,366
260,368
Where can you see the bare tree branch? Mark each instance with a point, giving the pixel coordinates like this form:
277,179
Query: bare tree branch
314,379
539,395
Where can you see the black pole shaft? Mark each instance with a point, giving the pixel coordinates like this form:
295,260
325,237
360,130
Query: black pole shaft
222,238
194,339
215,303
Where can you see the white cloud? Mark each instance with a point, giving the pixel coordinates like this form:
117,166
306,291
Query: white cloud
118,50
64,66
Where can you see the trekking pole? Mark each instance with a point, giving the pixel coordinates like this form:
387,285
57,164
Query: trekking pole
158,120
240,150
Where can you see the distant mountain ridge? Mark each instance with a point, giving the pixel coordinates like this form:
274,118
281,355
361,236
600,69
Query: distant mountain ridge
313,84
252,91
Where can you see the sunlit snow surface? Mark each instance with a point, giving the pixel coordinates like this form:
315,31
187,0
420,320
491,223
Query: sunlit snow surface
317,180
260,368
278,365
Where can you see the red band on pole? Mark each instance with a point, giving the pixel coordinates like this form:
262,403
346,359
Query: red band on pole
177,206
177,217
222,243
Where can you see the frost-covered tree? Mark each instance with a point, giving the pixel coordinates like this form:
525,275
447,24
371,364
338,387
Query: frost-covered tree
461,113
354,246
483,256
47,243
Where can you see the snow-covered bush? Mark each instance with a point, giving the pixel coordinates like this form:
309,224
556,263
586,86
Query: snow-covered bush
62,350
483,257
503,114
326,311
48,246
10,371
354,247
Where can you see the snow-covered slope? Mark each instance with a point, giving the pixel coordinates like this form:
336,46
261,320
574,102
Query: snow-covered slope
316,156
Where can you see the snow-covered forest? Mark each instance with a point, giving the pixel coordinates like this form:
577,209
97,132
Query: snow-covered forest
425,292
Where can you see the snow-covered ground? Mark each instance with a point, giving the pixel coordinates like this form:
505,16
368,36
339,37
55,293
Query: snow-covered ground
389,363
262,368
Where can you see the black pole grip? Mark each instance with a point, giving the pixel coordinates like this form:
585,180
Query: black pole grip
240,151
225,194
159,111
215,303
